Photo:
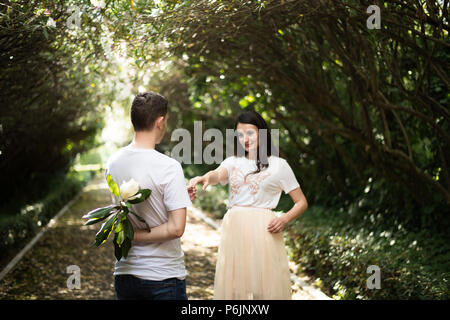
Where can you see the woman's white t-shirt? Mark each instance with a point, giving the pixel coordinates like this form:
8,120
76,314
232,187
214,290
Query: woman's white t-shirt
261,190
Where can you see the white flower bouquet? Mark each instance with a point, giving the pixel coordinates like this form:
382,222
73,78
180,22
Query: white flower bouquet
116,216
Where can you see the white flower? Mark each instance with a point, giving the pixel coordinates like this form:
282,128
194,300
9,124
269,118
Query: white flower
51,23
128,189
98,3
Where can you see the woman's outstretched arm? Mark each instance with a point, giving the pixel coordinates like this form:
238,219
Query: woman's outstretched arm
212,177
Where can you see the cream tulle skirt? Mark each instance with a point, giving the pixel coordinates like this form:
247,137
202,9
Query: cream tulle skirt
252,262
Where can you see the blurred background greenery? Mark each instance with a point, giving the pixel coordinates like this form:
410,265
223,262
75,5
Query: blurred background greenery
363,117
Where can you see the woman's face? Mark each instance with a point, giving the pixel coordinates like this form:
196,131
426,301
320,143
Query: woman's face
248,136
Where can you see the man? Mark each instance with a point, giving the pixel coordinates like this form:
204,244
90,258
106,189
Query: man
154,268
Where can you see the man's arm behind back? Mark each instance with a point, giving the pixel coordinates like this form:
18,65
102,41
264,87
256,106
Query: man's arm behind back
172,229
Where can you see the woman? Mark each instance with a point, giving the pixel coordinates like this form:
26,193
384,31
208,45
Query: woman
252,261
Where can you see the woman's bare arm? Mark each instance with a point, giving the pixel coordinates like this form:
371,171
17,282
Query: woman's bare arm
300,206
212,177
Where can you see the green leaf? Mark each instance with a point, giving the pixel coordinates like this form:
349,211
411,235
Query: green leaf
128,228
104,232
144,194
138,217
119,226
112,186
100,213
126,246
120,237
117,249
141,220
96,220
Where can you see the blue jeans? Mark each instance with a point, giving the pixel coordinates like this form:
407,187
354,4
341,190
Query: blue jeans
129,287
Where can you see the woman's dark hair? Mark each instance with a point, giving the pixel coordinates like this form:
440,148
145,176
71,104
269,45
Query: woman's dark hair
264,145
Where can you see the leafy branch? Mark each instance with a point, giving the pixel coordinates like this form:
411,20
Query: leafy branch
116,216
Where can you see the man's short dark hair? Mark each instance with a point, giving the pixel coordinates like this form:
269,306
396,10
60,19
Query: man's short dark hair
146,108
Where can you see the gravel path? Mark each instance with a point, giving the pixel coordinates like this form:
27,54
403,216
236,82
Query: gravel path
42,272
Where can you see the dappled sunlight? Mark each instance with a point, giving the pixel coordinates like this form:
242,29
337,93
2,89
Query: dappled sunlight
357,94
97,186
118,129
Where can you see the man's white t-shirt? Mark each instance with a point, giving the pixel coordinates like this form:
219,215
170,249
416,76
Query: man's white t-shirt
261,190
164,176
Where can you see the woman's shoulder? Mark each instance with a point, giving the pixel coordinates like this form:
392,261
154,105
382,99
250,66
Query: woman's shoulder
277,159
272,159
279,164
230,158
228,161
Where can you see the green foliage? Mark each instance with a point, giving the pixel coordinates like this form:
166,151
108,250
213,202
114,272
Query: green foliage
363,116
49,109
113,187
357,108
117,220
142,195
338,248
99,214
213,200
17,228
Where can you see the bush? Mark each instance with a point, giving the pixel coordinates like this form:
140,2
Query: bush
338,248
214,200
16,229
49,113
